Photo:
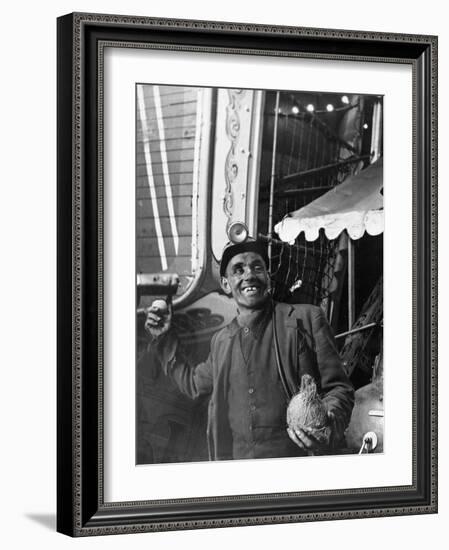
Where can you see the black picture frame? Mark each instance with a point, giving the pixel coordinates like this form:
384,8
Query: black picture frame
81,510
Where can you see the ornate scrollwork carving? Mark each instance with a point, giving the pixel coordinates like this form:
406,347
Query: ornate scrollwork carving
231,168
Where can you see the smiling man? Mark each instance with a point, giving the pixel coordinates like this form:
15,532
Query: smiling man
256,363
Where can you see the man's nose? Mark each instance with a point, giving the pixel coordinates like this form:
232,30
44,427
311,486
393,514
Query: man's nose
249,272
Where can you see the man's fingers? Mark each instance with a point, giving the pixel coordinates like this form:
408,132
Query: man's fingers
153,319
155,311
295,439
158,318
304,440
307,441
292,436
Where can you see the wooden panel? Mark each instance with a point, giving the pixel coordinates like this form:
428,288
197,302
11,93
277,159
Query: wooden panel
182,206
175,178
145,227
169,93
171,108
182,265
176,143
147,246
169,242
143,191
180,132
179,123
172,122
173,157
185,167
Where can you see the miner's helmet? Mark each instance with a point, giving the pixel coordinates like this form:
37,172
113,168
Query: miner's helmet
240,241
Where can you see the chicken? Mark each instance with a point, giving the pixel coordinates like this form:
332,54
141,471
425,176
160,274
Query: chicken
306,411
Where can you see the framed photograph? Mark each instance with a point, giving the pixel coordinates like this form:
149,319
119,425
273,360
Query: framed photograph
247,293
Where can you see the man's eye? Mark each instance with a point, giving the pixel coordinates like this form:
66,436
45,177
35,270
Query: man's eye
238,270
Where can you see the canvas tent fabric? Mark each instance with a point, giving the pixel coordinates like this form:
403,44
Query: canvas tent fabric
355,205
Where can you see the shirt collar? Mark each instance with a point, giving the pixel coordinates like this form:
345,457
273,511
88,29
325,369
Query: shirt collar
256,322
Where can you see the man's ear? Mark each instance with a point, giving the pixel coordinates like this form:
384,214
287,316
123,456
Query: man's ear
225,285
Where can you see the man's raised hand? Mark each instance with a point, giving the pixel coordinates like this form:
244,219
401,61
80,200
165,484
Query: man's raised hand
159,316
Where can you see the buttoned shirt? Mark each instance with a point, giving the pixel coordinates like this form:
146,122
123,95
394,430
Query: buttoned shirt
257,401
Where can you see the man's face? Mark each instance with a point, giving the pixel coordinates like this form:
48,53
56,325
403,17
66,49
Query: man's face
247,280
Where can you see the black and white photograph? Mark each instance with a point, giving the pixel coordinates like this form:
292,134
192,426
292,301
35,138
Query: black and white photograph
222,286
259,273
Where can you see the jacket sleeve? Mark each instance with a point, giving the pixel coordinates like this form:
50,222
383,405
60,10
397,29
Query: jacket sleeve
192,380
336,388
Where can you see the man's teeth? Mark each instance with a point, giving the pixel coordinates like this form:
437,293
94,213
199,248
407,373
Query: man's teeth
250,289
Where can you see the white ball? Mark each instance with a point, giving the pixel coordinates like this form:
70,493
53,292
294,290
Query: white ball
160,305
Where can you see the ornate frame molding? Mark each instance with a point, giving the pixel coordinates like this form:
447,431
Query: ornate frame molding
81,507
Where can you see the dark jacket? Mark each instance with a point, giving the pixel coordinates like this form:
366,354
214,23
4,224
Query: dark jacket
306,346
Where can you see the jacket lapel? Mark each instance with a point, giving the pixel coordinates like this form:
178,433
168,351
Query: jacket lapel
219,431
287,334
